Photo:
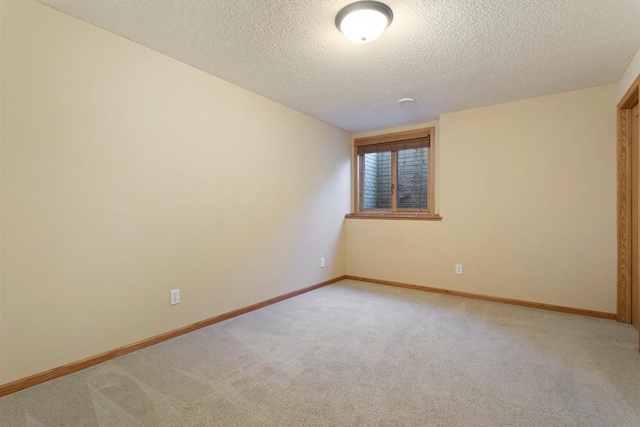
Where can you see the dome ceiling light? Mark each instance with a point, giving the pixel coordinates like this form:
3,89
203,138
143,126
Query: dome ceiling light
364,21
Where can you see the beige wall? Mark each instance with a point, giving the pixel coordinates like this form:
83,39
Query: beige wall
1,97
126,174
631,73
527,191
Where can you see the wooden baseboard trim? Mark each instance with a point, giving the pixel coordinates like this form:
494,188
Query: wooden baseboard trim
61,371
542,306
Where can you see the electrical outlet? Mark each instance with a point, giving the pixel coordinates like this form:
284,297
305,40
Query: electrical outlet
175,297
321,262
458,268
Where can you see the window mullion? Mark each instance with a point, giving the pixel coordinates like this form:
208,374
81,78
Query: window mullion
394,180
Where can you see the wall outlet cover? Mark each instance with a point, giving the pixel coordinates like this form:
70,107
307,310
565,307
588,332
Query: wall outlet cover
175,297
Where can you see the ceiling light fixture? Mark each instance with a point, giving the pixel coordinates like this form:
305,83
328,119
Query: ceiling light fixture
364,21
406,101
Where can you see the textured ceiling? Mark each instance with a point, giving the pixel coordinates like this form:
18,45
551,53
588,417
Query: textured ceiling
449,55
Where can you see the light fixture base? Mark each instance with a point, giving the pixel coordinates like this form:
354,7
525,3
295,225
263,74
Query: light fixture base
407,101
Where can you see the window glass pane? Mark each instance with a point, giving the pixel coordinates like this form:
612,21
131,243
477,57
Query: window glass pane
377,180
413,178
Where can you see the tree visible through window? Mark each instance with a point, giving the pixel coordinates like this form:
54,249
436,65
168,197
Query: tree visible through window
395,173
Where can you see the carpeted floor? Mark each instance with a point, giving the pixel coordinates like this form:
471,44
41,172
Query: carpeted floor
358,354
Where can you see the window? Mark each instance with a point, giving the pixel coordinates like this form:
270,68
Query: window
394,176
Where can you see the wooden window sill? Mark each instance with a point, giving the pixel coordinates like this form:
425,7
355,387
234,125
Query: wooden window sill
407,216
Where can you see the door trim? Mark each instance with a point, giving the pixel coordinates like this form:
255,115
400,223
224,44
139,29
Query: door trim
625,165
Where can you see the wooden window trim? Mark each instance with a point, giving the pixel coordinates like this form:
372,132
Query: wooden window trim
393,137
392,146
396,139
388,215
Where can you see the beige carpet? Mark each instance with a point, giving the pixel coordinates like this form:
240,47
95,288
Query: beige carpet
357,354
